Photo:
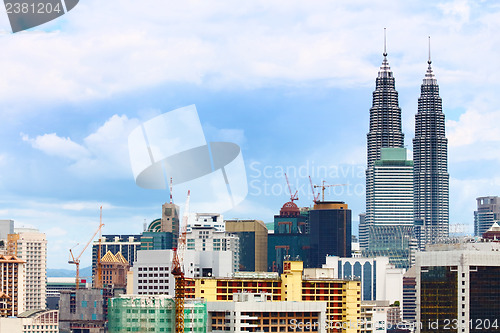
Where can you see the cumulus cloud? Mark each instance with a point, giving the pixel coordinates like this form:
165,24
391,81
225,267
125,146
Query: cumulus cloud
104,152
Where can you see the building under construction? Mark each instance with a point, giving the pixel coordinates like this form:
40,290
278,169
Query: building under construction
154,313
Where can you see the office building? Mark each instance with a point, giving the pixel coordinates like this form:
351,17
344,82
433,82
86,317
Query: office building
430,164
250,312
410,295
6,228
170,221
488,212
374,317
363,232
380,280
458,284
146,313
385,115
330,231
252,235
30,245
56,284
342,296
206,220
12,287
152,270
290,238
127,245
114,268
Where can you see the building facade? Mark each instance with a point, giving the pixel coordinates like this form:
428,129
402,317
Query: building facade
30,245
487,213
32,321
12,292
458,287
82,310
252,235
342,296
250,312
430,164
330,231
134,313
127,245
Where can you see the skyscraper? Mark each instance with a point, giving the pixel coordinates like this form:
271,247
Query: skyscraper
385,115
487,213
430,163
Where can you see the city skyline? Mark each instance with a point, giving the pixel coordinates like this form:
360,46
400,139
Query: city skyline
291,83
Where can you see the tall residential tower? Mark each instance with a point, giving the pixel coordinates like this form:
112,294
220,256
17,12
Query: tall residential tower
430,164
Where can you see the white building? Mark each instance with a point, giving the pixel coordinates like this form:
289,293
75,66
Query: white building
373,318
210,237
152,270
30,245
380,280
206,220
33,321
250,312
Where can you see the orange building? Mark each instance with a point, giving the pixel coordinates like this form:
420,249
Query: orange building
12,292
114,270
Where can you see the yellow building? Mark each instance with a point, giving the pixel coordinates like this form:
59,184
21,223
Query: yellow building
253,243
342,297
12,292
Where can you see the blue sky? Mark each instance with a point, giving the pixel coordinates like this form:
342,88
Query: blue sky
289,81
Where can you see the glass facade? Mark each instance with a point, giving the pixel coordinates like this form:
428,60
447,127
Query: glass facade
484,298
439,299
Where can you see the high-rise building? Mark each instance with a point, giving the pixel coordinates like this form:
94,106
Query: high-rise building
290,238
127,245
6,228
488,212
12,292
458,287
430,164
410,295
30,245
252,236
385,115
330,231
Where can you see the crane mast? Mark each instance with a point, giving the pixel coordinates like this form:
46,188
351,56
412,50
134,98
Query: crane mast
177,271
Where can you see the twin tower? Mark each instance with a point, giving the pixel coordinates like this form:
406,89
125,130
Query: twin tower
405,200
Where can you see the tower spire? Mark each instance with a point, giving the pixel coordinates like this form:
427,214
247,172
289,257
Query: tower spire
429,61
385,43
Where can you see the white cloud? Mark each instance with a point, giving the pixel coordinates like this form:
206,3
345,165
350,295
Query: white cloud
104,152
53,145
473,127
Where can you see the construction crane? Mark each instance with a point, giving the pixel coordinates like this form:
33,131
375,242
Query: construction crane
323,186
315,197
177,271
170,187
294,196
76,260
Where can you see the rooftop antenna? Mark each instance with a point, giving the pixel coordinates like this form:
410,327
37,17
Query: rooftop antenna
170,189
385,42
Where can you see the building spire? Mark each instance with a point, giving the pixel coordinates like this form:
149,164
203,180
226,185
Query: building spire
429,75
429,61
385,43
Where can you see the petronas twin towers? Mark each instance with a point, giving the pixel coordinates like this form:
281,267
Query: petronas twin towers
430,184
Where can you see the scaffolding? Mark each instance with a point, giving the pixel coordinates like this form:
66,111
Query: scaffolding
154,313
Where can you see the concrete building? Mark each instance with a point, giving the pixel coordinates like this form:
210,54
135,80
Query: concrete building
374,317
127,245
330,231
206,220
379,279
12,292
252,236
82,310
430,164
410,295
209,236
6,228
257,313
54,287
32,321
30,245
148,313
458,287
152,270
487,213
342,296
